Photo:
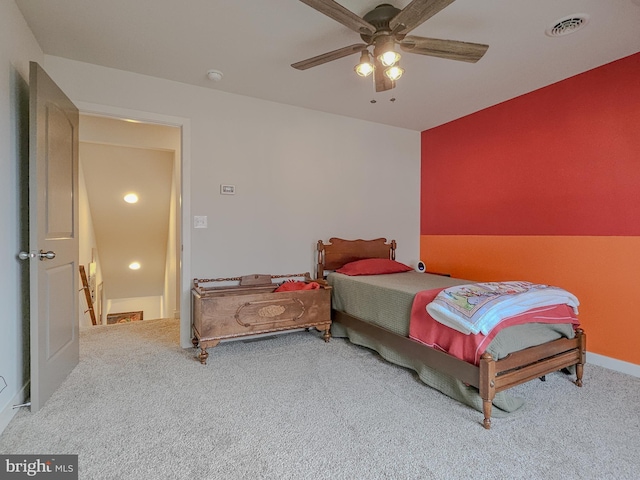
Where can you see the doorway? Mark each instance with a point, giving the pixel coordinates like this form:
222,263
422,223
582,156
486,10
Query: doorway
120,149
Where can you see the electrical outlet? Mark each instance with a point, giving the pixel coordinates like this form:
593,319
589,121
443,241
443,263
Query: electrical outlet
199,221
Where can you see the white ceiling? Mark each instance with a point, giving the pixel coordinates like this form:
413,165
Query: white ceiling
254,42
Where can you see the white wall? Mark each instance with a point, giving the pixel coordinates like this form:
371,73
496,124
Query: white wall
17,48
170,297
300,175
88,250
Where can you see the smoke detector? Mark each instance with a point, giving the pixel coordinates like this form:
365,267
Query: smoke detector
567,25
214,75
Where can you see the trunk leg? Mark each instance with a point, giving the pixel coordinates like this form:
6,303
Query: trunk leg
327,335
203,355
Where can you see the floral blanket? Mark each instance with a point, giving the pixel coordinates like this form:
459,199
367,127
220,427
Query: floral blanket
479,307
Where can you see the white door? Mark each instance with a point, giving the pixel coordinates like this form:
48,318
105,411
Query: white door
53,235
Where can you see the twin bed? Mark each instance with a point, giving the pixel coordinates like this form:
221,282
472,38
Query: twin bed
375,311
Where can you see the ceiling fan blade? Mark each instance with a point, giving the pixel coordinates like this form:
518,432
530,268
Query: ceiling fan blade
342,15
450,49
417,12
329,56
381,82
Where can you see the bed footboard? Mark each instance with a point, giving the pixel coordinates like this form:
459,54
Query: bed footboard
520,367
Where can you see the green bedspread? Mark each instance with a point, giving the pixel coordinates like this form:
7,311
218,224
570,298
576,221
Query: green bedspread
386,300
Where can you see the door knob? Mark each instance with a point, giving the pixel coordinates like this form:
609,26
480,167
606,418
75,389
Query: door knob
46,255
42,255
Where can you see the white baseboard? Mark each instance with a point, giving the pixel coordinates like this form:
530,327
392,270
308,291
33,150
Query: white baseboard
8,412
613,364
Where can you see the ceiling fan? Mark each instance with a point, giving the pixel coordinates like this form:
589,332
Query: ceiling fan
383,28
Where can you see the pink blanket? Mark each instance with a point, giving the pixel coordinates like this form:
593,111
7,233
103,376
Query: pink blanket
469,348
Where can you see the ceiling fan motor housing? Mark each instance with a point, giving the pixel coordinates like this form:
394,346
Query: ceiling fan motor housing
379,17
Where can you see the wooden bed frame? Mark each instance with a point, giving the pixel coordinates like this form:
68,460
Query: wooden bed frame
491,376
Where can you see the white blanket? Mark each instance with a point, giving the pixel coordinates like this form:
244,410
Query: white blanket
479,307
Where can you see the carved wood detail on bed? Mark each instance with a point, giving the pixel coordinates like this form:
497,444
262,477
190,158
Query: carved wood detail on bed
339,252
490,376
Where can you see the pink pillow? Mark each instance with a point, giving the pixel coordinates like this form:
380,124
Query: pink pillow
373,266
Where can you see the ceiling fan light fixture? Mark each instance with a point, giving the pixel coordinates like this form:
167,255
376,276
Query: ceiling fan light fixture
394,72
389,58
382,30
365,67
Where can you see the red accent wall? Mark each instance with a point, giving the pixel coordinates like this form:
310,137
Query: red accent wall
562,160
546,188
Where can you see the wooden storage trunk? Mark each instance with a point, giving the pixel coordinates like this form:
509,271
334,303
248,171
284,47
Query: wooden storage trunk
236,311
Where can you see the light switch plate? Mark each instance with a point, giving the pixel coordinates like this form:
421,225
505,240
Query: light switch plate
199,221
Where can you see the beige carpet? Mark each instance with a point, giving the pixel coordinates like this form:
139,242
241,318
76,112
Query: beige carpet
292,407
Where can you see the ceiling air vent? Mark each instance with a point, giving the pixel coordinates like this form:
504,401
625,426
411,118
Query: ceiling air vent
568,25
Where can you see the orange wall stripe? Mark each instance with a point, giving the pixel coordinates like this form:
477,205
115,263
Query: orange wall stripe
603,272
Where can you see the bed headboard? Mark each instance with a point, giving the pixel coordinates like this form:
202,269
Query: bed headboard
338,252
